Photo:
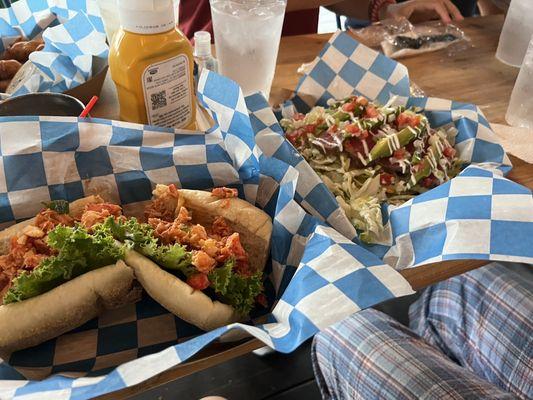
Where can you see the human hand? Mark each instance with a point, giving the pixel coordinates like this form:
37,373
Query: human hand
423,10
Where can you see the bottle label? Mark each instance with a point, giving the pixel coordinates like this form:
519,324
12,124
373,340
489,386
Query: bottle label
167,93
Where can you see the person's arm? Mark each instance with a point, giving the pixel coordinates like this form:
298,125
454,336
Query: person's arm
417,10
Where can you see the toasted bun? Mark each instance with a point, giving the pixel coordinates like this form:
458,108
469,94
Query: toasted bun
33,321
193,306
253,224
179,298
75,210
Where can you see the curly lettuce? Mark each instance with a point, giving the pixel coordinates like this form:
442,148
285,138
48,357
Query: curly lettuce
141,237
78,252
237,290
234,289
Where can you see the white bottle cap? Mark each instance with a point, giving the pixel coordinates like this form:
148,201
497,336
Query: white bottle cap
146,16
202,44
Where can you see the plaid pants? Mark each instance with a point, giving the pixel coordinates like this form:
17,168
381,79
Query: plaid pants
471,337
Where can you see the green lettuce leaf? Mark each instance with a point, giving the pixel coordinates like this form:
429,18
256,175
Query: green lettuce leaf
78,252
59,206
236,290
141,237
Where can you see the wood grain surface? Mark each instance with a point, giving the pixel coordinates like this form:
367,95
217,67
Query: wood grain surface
472,75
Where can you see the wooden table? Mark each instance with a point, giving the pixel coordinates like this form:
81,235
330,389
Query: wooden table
473,75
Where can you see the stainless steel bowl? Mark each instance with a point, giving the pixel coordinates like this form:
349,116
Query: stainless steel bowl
49,104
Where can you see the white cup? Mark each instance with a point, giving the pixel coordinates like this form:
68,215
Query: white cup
520,110
517,29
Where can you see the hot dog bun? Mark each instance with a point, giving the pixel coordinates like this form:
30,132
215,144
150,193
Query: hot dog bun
33,321
193,306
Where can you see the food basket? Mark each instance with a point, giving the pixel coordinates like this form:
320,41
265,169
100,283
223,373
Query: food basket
74,57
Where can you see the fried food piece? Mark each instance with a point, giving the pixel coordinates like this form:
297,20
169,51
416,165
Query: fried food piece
4,83
8,69
21,51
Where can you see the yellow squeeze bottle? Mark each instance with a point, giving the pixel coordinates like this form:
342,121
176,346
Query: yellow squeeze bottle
151,63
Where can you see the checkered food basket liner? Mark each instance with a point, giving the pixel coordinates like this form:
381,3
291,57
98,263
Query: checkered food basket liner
75,42
316,276
477,215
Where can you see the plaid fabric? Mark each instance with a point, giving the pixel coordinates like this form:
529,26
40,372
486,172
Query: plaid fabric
483,320
473,340
371,356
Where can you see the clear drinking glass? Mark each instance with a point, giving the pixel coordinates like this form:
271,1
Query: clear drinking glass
520,111
247,34
516,32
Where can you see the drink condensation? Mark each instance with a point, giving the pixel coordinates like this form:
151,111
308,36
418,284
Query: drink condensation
520,111
516,32
247,34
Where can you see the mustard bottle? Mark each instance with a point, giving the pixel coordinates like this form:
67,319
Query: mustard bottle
151,63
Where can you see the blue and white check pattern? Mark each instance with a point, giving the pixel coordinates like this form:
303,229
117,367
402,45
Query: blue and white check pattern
479,214
73,32
317,276
345,66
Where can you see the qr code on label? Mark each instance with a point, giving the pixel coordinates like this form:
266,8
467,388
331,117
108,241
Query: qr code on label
159,99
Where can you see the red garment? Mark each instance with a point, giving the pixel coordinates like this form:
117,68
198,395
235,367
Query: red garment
195,15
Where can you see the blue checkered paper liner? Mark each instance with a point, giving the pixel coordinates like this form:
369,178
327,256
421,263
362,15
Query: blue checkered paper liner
478,215
74,38
316,275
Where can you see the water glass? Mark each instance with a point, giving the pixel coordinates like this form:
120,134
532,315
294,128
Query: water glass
247,34
520,111
517,29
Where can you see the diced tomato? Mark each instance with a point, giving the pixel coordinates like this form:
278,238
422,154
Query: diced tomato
429,182
198,281
261,300
405,119
399,154
348,107
310,128
298,116
386,179
371,112
294,136
449,152
333,129
355,145
353,129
